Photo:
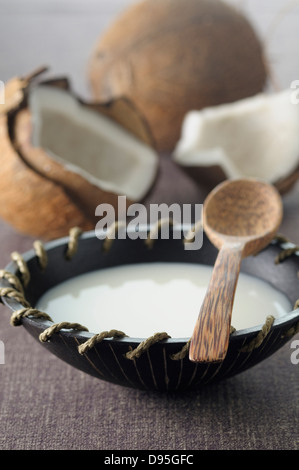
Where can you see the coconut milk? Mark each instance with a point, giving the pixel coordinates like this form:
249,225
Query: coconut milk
144,299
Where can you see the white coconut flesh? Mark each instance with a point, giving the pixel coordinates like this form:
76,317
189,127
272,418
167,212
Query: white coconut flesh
90,144
254,137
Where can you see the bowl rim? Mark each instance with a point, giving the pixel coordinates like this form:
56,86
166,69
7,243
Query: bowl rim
14,305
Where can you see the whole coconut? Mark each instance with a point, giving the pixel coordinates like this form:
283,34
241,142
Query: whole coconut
172,56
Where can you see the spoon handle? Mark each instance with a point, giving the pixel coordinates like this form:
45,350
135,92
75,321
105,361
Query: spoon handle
210,338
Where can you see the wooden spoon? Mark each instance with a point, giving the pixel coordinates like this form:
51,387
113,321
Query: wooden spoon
240,217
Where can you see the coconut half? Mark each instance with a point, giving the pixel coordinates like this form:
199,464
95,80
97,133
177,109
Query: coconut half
87,143
254,137
169,57
61,158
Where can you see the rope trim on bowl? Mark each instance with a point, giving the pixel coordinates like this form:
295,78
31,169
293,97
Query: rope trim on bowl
41,254
15,295
23,268
18,315
72,246
16,292
98,338
13,280
57,327
286,252
114,228
257,341
146,344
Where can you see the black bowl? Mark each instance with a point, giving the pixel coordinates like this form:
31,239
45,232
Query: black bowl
159,363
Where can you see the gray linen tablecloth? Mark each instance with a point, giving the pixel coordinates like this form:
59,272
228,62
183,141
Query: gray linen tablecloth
46,404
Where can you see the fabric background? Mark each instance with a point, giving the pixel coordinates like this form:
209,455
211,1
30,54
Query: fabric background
46,404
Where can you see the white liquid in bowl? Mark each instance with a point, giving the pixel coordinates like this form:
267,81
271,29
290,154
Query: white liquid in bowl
144,299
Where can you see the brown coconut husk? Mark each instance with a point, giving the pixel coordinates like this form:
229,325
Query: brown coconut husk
171,56
39,196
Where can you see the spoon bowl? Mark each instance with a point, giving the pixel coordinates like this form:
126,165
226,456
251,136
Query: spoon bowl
240,217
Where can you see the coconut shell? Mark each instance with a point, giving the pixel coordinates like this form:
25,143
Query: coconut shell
284,185
208,177
171,56
15,90
255,137
40,197
31,203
